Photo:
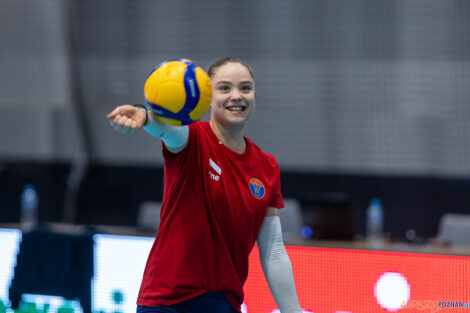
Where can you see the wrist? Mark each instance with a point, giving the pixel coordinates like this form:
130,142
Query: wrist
144,108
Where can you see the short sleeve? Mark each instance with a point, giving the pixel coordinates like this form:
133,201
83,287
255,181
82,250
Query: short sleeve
191,145
276,200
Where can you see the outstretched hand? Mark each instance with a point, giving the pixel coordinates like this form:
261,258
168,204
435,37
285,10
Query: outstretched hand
127,119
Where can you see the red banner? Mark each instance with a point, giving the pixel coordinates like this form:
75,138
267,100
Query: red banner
359,281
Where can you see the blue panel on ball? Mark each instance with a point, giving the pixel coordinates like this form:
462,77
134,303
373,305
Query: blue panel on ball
161,111
192,95
192,92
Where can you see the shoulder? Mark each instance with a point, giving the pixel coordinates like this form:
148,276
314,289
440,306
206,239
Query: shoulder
267,158
194,133
199,128
196,130
198,125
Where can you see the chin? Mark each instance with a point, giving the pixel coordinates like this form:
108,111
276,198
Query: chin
238,120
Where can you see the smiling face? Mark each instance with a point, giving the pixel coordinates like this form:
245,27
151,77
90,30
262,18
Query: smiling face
233,95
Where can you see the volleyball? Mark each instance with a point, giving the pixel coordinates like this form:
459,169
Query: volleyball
178,92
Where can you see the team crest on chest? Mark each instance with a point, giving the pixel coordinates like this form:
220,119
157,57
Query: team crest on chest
257,188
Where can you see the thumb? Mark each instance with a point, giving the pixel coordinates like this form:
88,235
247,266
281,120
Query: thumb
113,114
121,110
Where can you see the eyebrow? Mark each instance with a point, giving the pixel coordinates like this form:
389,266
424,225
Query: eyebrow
228,82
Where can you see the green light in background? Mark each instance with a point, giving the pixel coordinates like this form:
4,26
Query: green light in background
118,297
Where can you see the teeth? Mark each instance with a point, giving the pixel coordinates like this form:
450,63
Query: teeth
237,108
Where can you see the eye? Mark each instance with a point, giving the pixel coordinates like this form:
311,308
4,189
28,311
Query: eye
246,88
224,88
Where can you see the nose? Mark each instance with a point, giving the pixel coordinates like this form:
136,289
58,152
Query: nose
236,95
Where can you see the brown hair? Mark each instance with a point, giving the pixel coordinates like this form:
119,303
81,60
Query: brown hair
218,63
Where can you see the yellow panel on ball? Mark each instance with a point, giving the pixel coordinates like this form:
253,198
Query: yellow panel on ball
165,86
178,92
165,120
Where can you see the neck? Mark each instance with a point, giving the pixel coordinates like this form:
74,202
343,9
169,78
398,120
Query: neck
232,137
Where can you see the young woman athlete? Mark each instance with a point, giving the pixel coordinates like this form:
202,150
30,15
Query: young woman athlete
221,194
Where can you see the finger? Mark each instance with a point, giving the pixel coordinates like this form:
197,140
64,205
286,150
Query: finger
120,123
123,120
122,129
117,118
132,131
128,126
117,127
114,125
115,112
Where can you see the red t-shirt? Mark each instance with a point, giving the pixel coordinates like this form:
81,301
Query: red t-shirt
214,203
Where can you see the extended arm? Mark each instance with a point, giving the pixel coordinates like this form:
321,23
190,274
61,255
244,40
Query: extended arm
128,119
276,264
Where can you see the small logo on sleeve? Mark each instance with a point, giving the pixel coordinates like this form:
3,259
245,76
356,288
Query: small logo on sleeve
257,188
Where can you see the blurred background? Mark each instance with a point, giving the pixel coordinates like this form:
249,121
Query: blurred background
365,98
356,100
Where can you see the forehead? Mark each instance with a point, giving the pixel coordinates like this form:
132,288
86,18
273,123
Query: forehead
232,72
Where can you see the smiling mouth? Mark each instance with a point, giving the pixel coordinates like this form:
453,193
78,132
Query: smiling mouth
236,108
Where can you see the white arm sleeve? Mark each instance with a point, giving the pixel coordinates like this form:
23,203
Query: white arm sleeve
276,265
172,136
